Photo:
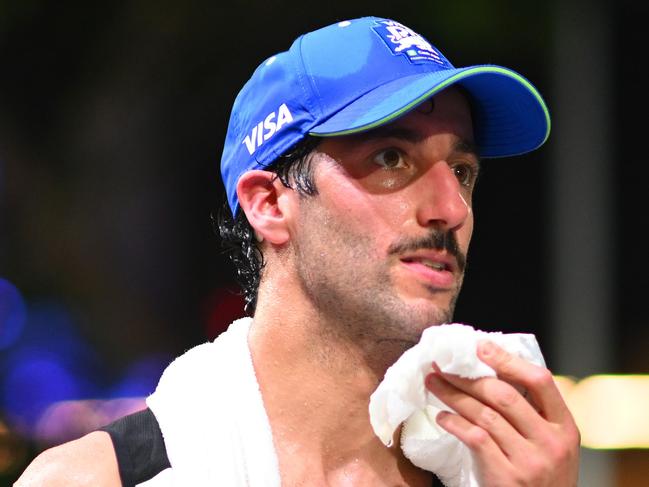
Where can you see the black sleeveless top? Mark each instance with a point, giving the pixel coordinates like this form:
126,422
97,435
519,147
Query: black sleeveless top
140,448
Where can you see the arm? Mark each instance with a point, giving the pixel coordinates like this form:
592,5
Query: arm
514,441
88,461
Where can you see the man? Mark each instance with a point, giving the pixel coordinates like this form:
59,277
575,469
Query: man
349,166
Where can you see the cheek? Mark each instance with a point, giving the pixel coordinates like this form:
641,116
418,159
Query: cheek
389,184
380,182
365,214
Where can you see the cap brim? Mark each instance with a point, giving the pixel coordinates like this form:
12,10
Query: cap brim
510,116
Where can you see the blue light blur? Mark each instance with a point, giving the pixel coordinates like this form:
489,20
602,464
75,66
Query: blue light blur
53,384
48,363
141,377
12,314
35,380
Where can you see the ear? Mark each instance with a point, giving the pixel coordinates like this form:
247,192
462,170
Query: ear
260,194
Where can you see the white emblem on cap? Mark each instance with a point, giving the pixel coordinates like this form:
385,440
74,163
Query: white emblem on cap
268,127
406,38
403,40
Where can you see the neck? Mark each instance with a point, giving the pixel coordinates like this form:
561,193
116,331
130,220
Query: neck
316,385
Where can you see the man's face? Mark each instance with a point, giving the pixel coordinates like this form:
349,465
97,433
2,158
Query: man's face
380,250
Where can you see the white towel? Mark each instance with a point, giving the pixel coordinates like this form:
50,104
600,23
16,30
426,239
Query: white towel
212,417
403,398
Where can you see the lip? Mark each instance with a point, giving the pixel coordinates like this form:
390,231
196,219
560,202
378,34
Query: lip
442,279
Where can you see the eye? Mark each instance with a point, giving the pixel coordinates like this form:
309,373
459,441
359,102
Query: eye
390,159
465,174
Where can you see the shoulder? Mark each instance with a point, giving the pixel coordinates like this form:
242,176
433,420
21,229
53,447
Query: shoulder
88,461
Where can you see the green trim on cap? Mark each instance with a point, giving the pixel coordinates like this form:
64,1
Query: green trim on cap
440,87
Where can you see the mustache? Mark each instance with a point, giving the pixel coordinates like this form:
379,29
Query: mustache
436,240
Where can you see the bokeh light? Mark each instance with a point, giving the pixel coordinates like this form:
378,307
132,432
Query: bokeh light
611,411
13,450
12,314
66,420
53,385
35,380
49,362
141,377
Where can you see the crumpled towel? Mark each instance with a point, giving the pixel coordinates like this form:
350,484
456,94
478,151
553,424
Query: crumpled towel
402,396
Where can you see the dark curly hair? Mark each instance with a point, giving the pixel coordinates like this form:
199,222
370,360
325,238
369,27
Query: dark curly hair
295,170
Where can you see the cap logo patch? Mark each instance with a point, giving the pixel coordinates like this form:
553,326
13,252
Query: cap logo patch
404,41
267,127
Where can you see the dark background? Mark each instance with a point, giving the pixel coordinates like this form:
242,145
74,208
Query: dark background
112,120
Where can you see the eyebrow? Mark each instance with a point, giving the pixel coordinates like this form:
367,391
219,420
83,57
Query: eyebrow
467,147
403,133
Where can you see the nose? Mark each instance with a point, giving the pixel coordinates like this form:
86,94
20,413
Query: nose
442,204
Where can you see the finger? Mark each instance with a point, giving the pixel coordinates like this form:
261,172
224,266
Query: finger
509,440
537,380
482,445
501,398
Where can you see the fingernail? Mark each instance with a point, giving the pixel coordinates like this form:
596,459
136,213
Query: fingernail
441,416
487,348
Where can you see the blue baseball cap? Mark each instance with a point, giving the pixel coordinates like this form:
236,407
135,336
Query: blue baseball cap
359,74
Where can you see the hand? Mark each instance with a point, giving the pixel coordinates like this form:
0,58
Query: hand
515,440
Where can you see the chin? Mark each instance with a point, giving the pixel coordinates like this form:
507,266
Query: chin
431,313
422,315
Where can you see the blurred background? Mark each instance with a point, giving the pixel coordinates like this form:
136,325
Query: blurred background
112,120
